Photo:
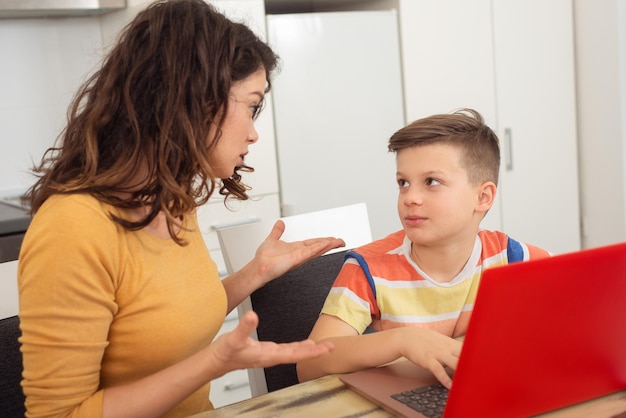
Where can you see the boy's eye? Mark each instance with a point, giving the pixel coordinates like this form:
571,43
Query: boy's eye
403,183
432,182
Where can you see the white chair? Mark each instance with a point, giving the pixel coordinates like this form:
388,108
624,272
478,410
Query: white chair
11,395
289,305
8,289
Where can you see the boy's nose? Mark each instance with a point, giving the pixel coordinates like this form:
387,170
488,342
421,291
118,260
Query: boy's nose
414,197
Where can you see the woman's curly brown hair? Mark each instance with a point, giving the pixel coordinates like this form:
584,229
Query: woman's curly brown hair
137,128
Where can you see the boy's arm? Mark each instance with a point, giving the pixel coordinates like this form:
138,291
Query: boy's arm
352,352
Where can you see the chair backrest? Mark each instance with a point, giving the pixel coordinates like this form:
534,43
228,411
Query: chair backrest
289,306
305,287
11,394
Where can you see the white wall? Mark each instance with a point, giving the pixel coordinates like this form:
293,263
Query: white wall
621,32
43,62
601,88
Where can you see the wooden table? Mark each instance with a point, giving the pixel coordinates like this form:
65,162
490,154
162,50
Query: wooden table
330,398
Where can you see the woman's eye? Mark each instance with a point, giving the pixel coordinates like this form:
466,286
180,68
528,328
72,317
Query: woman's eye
256,110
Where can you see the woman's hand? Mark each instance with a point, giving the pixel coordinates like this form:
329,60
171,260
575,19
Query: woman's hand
275,257
237,350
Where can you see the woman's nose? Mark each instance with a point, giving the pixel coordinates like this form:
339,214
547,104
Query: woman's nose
253,135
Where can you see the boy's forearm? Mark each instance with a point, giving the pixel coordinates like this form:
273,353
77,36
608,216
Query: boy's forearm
352,353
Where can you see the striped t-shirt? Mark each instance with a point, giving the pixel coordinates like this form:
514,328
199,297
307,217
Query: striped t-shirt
379,285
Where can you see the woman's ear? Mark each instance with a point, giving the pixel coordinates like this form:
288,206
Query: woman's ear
486,196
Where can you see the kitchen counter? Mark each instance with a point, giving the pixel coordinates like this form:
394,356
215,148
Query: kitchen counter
14,220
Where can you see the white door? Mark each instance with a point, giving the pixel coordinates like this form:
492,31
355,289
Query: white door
536,104
513,63
337,100
444,71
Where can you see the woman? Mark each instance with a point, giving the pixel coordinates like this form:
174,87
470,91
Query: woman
119,299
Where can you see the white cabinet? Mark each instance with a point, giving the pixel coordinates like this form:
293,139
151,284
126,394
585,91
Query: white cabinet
337,100
536,104
601,91
447,57
513,61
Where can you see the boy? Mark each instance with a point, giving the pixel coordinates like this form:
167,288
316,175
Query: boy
415,288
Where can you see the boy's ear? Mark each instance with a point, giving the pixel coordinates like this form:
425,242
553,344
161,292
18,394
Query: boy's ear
486,196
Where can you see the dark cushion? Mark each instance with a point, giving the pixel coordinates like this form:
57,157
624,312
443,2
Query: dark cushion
11,394
289,306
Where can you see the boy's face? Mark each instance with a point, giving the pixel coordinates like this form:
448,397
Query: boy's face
437,205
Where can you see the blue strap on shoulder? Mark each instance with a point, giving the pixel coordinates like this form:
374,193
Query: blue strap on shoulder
514,251
359,259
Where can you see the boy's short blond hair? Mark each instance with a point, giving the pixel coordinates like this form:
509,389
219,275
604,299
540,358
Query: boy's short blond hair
465,129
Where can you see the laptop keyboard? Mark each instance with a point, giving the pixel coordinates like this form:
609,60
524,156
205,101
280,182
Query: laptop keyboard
429,400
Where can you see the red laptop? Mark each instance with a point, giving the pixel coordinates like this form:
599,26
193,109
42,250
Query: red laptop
543,335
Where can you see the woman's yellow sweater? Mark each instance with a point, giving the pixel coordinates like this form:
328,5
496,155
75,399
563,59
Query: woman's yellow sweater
101,306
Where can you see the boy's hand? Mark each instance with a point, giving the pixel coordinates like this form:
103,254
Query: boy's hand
433,351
